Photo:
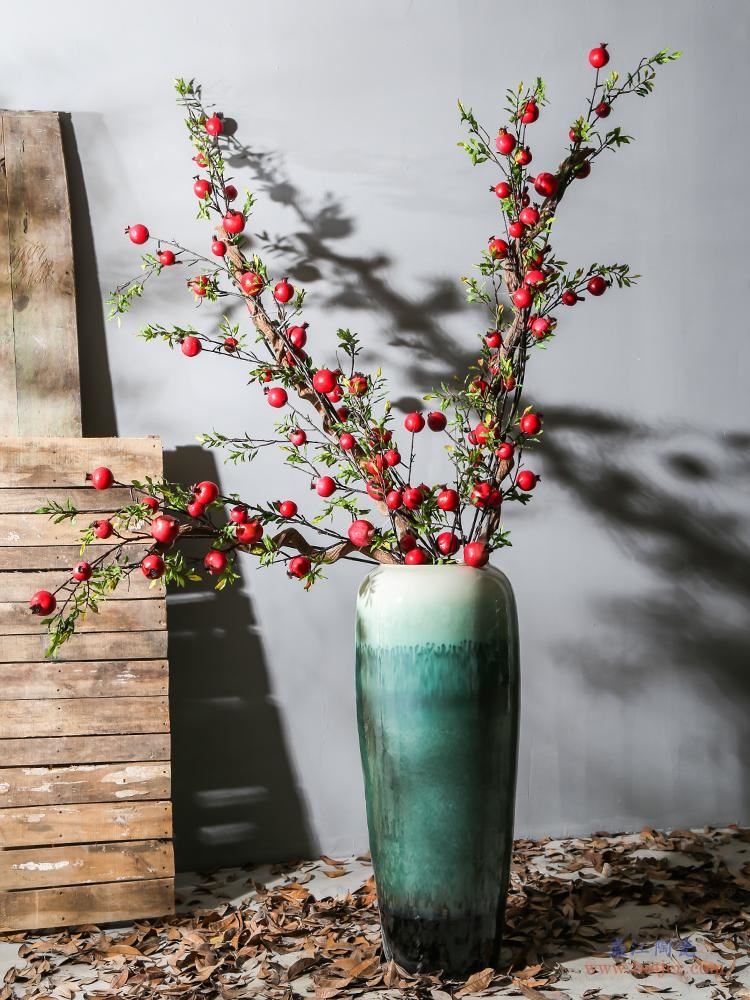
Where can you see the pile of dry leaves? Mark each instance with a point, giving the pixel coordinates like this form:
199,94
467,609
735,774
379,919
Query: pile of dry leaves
569,900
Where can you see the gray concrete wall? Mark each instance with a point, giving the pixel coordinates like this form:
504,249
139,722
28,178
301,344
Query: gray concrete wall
630,566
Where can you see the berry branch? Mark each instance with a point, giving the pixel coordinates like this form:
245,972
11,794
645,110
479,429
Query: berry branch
339,434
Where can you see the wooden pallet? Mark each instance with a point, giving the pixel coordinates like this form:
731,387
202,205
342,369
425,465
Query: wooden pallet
85,816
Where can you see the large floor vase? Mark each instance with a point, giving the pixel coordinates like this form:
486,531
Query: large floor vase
437,707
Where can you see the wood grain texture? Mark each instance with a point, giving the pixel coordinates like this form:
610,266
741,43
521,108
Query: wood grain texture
112,616
36,260
38,529
84,749
81,864
29,499
83,679
108,902
83,717
19,585
94,822
41,786
59,462
51,557
87,646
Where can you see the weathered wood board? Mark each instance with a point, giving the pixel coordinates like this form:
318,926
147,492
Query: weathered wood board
38,394
85,816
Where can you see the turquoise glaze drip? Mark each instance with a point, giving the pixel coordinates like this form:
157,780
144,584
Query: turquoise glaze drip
437,707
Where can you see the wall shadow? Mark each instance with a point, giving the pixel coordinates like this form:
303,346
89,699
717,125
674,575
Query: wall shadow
97,401
234,792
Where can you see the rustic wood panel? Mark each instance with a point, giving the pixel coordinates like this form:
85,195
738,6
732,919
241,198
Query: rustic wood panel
41,786
87,646
94,822
38,529
83,717
81,864
40,394
83,679
85,904
19,586
58,462
112,616
28,500
84,749
54,557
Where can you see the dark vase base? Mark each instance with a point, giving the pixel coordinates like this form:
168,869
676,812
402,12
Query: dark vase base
455,947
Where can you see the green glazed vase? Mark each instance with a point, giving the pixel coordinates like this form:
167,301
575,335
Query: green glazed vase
437,708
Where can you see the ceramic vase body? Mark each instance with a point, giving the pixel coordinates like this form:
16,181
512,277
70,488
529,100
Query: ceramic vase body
437,708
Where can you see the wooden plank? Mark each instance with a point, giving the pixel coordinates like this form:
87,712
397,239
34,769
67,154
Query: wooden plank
113,616
41,786
35,909
87,646
91,822
57,557
59,462
82,864
19,586
83,679
83,717
84,498
42,279
8,392
84,749
39,529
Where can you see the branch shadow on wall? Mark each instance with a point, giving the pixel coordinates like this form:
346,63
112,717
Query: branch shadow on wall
235,796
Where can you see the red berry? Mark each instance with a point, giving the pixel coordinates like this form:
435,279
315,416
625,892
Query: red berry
231,344
336,394
533,277
218,248
407,542
325,486
360,533
413,497
481,434
394,499
166,258
283,291
416,557
206,492
288,508
526,480
199,285
582,170
602,110
82,571
137,233
516,230
215,561
103,529
277,397
509,383
523,156
447,500
214,125
357,385
297,335
202,188
152,566
347,441
568,298
493,339
599,56
597,285
298,438
230,192
374,490
233,223
497,248
476,554
502,190
324,380
164,528
522,298
529,216
447,543
531,424
101,478
151,502
530,113
392,457
414,422
191,346
545,184
480,494
540,326
299,566
575,136
195,508
249,532
201,160
238,514
251,283
505,142
437,421
505,451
